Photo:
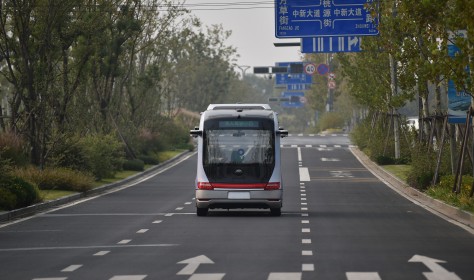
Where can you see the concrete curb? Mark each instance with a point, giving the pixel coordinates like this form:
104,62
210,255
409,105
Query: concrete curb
33,209
401,187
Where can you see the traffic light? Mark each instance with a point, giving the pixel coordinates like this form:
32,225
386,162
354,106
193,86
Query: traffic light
261,70
295,99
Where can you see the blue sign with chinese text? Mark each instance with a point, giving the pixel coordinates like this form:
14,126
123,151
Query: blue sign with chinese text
283,79
298,86
313,18
331,44
297,99
458,101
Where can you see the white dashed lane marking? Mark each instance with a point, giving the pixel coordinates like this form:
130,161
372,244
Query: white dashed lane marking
101,253
72,268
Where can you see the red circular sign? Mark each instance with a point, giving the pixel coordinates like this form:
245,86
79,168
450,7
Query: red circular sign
323,69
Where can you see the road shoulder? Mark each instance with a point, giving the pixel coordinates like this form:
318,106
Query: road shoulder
443,210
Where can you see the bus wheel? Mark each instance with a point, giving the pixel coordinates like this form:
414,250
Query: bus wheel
275,211
202,211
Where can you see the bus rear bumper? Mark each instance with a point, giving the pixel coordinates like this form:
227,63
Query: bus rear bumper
228,199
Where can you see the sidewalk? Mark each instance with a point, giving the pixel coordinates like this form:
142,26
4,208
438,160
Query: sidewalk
437,207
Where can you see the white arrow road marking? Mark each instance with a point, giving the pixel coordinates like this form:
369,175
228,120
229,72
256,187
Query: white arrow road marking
207,276
437,271
192,264
363,276
284,276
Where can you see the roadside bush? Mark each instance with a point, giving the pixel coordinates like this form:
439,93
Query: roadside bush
151,160
134,165
331,120
12,148
443,191
423,166
57,178
104,155
16,193
69,154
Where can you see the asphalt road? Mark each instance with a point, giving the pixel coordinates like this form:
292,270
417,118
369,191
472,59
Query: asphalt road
338,222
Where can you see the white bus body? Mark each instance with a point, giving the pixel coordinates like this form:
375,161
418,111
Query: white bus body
238,163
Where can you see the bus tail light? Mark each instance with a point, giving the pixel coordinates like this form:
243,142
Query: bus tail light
205,186
272,186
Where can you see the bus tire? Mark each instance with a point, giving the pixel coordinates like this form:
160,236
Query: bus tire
275,212
201,211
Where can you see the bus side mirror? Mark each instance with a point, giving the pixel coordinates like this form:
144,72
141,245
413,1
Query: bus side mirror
195,132
282,132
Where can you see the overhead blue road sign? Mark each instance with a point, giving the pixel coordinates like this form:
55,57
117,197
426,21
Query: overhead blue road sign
298,86
458,101
296,99
331,44
313,18
283,79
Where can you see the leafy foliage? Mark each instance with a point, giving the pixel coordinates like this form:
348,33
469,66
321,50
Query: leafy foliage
56,178
16,193
104,155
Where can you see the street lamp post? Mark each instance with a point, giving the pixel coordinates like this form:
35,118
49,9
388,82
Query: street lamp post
243,68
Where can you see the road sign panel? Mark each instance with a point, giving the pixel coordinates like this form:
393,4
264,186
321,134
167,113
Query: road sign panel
298,87
458,101
323,69
332,84
289,78
331,44
308,18
297,99
309,68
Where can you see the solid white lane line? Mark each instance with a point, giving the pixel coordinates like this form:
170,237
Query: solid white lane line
142,230
125,241
299,155
55,278
72,268
101,253
85,247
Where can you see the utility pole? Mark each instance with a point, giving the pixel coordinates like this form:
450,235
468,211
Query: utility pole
393,87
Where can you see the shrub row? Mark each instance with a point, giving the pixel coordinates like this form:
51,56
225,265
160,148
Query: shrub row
16,193
56,178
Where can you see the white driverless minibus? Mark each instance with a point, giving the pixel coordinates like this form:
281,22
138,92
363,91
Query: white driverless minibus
238,158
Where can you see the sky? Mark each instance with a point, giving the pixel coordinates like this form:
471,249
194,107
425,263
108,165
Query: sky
252,26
